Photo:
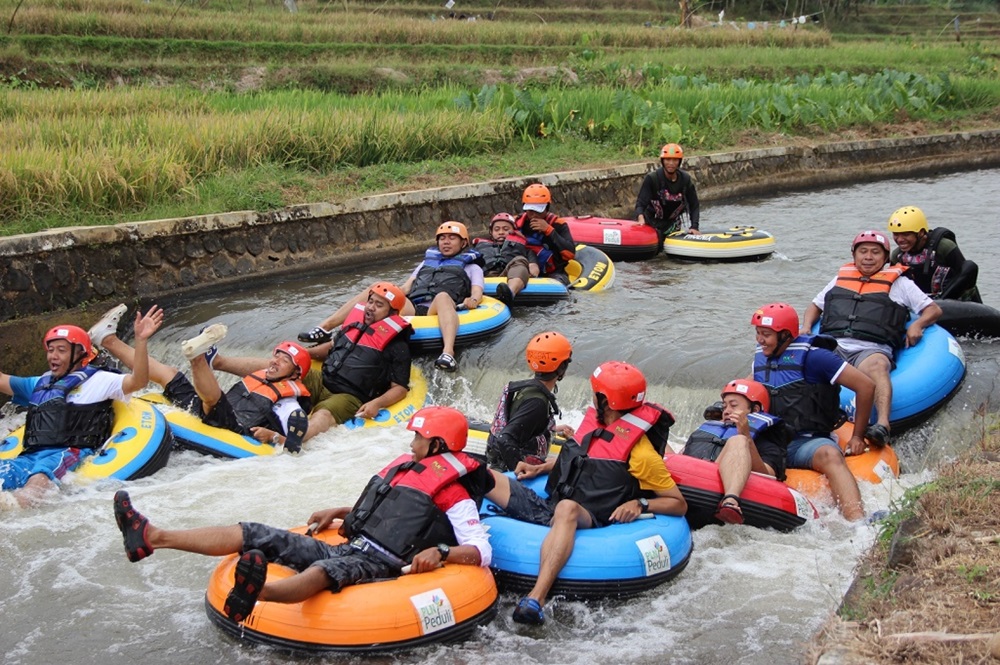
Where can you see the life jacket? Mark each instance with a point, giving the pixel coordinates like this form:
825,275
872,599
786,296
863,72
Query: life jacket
549,259
254,397
595,472
707,441
537,445
400,508
805,407
860,307
496,255
925,269
446,274
52,422
357,362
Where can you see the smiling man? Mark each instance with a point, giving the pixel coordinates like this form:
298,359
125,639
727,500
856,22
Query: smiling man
867,307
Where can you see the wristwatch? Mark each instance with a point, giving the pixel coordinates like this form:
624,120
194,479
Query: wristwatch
643,504
444,551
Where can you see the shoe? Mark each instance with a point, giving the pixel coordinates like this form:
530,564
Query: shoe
133,527
729,513
203,343
529,611
877,516
877,435
316,336
107,325
504,294
210,355
298,423
251,573
446,362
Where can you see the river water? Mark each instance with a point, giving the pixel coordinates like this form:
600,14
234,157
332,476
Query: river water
67,593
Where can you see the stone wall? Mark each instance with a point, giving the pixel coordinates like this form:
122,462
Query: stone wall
44,274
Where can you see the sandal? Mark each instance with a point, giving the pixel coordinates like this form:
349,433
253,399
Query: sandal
316,336
529,611
133,527
504,294
877,435
251,573
298,423
446,362
729,513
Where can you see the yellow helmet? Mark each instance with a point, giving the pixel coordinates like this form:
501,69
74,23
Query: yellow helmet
908,219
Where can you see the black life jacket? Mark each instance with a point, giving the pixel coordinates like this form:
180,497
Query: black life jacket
707,441
537,445
446,274
496,255
254,397
397,509
357,362
860,307
805,407
595,472
52,422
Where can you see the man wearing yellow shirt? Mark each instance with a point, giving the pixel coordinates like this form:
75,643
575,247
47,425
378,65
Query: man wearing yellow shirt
615,474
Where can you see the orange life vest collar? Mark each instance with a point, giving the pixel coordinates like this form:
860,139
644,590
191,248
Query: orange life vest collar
850,278
274,390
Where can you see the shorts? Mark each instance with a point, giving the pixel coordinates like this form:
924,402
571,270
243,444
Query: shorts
342,406
804,446
53,463
181,393
527,506
421,309
773,455
344,564
855,358
517,269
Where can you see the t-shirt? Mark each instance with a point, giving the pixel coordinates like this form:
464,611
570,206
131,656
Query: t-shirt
902,291
99,387
647,466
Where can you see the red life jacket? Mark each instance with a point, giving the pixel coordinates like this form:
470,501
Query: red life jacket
357,363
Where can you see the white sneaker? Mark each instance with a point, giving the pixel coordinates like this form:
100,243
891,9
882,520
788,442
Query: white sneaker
108,325
209,337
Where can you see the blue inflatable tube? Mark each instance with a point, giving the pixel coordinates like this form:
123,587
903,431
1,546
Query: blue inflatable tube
473,326
538,290
619,560
925,378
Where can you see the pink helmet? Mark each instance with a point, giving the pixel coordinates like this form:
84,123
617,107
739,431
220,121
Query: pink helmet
876,237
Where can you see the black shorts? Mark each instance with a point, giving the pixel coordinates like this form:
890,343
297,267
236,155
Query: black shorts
421,309
181,393
773,455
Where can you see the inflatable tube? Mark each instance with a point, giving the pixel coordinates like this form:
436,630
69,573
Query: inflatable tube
473,326
739,243
969,319
192,433
925,378
620,239
443,605
539,290
765,501
139,445
590,270
872,466
619,560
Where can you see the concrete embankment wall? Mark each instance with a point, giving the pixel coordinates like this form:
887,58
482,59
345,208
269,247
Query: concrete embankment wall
85,269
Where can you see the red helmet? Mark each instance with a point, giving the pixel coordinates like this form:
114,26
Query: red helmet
298,354
442,422
547,351
777,316
623,384
390,292
74,335
876,237
536,193
672,151
752,390
502,217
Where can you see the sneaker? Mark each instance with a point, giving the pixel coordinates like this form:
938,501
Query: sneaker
203,343
133,527
108,324
877,435
529,611
251,573
210,355
504,294
446,362
298,423
316,336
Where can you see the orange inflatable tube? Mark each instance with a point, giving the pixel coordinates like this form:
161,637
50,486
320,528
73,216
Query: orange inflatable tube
873,466
443,605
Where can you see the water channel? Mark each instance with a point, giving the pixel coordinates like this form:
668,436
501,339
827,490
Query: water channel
748,596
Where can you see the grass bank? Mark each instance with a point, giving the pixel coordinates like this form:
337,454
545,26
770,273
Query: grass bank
929,591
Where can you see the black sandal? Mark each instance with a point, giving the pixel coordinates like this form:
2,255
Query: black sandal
316,336
133,527
251,573
729,513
